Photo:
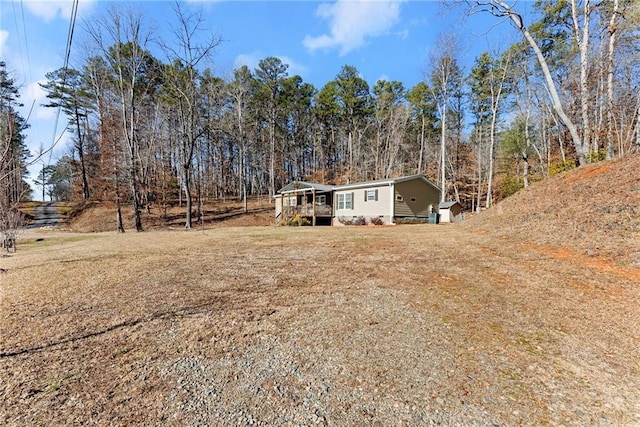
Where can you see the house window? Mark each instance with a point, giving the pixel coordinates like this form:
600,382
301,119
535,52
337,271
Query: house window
321,200
413,199
399,198
345,201
290,201
370,195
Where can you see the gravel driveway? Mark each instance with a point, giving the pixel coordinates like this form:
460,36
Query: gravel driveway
45,215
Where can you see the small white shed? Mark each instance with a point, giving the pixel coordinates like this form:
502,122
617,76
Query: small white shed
450,212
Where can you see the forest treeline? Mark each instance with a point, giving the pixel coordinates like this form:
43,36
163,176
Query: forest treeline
155,131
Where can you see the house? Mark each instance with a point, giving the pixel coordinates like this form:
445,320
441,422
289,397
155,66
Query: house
450,212
406,199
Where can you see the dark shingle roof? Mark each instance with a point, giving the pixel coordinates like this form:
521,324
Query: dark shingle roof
301,185
387,181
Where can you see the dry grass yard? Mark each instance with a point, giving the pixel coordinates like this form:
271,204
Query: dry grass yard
469,324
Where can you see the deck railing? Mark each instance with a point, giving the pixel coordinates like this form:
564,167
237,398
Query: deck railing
307,210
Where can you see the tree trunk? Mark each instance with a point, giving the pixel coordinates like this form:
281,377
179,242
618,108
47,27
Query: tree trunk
611,29
495,107
525,154
272,160
116,177
420,157
80,146
443,140
137,213
492,138
555,98
187,196
583,42
119,224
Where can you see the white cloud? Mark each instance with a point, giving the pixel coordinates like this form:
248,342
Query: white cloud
383,77
49,10
35,95
294,67
251,60
41,122
4,36
352,22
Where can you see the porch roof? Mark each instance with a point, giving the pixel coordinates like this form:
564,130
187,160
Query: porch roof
301,187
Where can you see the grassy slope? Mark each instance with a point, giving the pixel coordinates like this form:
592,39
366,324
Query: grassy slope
592,211
102,217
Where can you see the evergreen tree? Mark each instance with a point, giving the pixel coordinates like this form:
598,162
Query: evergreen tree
13,150
13,160
270,74
67,89
354,99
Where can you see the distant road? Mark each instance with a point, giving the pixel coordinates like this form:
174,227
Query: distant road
45,216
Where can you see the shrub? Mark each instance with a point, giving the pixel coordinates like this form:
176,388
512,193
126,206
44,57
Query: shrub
597,156
360,221
377,221
345,221
560,166
511,185
298,220
355,221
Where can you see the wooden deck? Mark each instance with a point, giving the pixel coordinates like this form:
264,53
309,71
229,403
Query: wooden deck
307,210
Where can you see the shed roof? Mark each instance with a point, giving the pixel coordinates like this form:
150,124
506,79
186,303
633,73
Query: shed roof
447,205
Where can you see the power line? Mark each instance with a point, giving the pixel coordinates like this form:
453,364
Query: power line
26,45
67,55
27,74
15,21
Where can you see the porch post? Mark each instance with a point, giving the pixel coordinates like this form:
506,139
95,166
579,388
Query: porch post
289,213
313,203
392,191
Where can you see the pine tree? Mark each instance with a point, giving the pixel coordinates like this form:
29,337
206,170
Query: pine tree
13,160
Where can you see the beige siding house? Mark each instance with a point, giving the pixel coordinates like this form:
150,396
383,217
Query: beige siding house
406,199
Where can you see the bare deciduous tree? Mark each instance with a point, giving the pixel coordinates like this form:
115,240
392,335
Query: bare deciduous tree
12,161
445,74
501,9
121,40
181,77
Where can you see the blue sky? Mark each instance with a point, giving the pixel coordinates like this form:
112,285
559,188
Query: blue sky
383,39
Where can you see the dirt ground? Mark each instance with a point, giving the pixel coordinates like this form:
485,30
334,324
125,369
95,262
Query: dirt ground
593,212
526,314
220,213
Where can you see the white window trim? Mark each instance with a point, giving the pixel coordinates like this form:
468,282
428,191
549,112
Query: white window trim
345,201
